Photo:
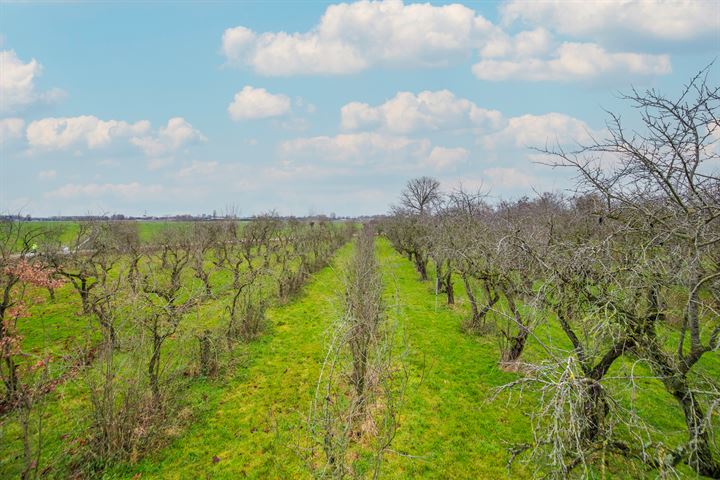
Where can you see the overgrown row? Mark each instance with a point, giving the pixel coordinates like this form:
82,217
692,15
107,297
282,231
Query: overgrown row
354,414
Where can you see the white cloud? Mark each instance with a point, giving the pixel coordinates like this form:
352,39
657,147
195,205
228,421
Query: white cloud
47,174
357,149
525,44
90,132
250,103
674,20
538,130
17,84
177,134
427,111
442,158
574,61
84,131
11,129
353,37
132,190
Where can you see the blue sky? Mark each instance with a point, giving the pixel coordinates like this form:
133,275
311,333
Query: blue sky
316,107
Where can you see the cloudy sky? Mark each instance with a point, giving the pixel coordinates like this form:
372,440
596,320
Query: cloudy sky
316,107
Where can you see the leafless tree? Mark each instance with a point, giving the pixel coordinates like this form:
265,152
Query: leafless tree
421,195
660,187
168,295
205,238
94,247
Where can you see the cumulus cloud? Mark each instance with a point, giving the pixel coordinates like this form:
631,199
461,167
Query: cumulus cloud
574,61
538,130
442,158
90,132
11,129
524,44
47,174
251,103
427,111
353,37
678,20
83,131
362,153
133,190
17,84
177,134
357,149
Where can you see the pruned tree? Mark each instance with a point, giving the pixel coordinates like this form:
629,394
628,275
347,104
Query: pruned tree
661,189
168,296
94,247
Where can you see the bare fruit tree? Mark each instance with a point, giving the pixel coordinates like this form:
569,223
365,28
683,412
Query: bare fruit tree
661,187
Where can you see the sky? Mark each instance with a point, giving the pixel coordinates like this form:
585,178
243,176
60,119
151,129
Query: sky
164,108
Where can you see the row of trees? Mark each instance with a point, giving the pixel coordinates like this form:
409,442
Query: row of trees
625,269
196,290
354,414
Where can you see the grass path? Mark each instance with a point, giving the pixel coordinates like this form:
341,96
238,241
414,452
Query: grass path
447,421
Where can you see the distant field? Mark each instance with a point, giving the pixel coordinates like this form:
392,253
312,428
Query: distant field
67,230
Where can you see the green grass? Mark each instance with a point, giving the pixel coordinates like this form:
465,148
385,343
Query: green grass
67,230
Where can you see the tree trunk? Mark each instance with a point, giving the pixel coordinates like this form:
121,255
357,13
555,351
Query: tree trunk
205,354
595,409
517,345
439,278
475,319
110,329
154,368
517,342
421,266
11,382
449,289
85,296
133,275
702,458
